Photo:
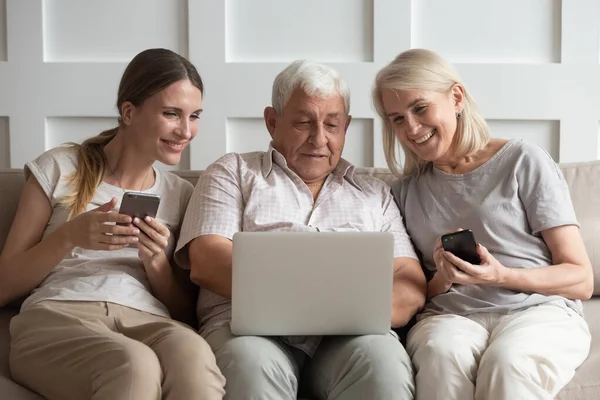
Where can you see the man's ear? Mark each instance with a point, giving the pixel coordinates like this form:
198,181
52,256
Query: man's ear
270,119
127,111
458,96
348,120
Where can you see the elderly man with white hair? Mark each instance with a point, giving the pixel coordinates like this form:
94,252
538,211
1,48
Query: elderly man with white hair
302,178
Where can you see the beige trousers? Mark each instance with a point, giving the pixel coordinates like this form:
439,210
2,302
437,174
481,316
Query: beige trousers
530,354
95,350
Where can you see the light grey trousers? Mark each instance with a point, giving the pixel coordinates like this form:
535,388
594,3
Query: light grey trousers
374,367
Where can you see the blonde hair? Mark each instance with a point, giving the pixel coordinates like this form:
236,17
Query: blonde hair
148,73
424,70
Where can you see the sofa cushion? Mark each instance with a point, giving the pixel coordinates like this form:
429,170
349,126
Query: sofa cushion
586,383
584,183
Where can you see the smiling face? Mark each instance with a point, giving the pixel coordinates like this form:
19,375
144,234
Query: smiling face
425,121
309,133
165,123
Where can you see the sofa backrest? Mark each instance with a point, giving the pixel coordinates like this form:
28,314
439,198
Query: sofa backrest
583,179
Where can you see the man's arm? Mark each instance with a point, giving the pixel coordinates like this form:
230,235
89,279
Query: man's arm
410,287
213,216
210,259
410,283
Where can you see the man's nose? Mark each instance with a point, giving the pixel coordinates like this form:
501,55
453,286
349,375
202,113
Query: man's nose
318,137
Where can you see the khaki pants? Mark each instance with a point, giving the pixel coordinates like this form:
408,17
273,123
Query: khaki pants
370,367
529,354
96,350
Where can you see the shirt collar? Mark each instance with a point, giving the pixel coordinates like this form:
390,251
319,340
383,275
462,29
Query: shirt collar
344,169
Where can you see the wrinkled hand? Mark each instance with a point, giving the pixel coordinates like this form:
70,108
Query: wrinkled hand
95,230
153,239
445,270
455,270
489,272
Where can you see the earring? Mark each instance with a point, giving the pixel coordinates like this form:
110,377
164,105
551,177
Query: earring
459,114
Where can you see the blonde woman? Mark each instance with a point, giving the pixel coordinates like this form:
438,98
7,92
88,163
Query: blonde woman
97,320
510,327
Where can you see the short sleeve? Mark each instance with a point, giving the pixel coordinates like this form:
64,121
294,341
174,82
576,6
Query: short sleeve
51,169
543,191
392,222
215,206
186,193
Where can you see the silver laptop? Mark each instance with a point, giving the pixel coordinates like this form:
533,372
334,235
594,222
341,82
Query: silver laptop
312,283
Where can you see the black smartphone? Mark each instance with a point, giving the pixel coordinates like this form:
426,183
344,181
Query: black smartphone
463,245
137,204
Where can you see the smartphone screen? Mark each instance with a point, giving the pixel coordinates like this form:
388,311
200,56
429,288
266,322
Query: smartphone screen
463,245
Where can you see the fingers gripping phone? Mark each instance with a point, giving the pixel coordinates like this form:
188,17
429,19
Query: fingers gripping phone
463,245
137,204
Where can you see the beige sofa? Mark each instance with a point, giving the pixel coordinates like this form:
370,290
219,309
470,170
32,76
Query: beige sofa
583,179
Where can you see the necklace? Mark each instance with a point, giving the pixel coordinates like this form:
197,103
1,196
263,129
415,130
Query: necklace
112,172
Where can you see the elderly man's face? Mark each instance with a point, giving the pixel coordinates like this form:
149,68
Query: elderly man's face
309,133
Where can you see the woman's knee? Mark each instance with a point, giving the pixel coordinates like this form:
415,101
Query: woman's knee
506,360
190,369
188,353
128,367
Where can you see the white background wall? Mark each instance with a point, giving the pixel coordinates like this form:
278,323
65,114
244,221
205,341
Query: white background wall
532,65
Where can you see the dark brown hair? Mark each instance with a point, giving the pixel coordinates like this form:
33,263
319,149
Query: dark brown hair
148,73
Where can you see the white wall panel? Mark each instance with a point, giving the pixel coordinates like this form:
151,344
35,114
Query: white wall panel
4,143
359,142
250,134
508,31
112,30
532,65
266,30
543,133
60,130
2,30
247,134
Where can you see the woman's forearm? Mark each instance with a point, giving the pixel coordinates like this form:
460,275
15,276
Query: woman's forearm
568,280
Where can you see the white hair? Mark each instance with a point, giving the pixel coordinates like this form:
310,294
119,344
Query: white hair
313,78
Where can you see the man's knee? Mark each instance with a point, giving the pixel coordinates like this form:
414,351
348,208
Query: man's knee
257,366
373,366
383,357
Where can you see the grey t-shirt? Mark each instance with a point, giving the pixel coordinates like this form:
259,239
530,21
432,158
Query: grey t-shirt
507,202
116,276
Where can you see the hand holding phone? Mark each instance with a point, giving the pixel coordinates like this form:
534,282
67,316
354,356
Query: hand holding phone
140,205
463,245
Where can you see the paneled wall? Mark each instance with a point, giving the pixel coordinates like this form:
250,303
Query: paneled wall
533,66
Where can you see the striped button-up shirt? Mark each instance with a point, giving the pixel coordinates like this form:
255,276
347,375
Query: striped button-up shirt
257,191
